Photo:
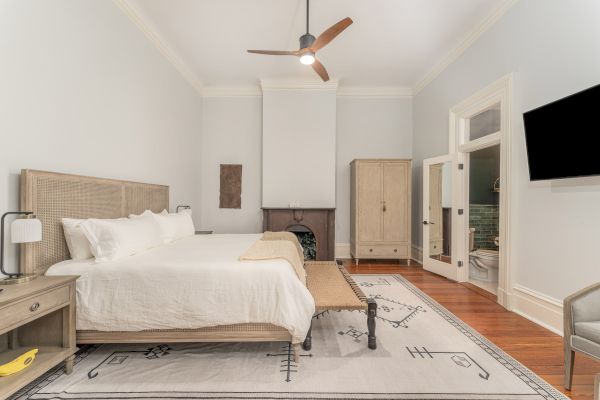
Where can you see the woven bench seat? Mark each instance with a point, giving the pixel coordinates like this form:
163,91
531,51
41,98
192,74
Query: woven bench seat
334,289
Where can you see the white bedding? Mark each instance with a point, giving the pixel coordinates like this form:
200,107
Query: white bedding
194,282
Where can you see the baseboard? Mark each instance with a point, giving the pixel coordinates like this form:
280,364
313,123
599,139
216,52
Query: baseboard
416,253
537,307
342,250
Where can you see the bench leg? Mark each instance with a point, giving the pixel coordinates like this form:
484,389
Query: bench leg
296,352
371,314
307,345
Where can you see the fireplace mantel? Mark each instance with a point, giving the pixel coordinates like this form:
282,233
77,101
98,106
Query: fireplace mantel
320,221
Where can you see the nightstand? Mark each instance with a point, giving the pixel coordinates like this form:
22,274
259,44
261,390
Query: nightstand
38,314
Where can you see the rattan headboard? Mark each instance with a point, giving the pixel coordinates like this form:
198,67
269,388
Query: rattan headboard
52,196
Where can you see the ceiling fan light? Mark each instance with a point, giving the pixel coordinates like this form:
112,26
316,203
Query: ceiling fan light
307,58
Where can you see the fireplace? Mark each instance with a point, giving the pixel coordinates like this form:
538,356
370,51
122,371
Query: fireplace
319,222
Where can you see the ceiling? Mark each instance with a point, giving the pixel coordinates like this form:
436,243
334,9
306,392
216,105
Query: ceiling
391,43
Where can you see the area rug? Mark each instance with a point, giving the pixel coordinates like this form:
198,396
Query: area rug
424,352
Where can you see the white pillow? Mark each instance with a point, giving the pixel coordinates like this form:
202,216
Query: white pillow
112,239
180,224
78,244
166,232
172,226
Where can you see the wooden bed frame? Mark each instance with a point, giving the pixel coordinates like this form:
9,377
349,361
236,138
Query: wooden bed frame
52,196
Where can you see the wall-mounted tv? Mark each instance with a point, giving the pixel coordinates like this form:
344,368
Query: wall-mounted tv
562,137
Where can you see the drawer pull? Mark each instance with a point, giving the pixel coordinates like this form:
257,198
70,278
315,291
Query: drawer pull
395,250
371,250
34,306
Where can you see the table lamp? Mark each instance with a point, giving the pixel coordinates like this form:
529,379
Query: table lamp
22,230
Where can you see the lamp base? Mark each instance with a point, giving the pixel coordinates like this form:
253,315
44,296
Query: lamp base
17,279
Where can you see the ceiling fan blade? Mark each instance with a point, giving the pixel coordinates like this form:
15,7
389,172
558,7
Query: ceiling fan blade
330,34
320,69
275,52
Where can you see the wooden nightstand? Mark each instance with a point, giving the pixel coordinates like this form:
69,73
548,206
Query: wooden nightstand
38,314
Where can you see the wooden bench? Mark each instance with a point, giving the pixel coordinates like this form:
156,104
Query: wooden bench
334,289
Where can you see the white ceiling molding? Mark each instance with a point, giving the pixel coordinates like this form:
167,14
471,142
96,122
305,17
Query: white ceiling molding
161,45
222,91
469,39
285,84
377,92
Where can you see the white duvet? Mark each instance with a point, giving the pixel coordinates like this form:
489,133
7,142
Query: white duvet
194,282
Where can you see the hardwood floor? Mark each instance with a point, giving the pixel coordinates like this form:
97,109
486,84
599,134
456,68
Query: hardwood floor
537,348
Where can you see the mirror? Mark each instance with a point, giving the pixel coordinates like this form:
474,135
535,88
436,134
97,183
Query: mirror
440,211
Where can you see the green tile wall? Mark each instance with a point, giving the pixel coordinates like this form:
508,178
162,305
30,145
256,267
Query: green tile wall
485,219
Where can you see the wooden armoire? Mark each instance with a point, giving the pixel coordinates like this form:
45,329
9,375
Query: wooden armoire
380,209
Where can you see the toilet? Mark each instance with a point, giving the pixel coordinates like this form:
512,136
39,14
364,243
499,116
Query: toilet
483,263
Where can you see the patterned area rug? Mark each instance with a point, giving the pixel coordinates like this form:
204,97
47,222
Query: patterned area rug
424,352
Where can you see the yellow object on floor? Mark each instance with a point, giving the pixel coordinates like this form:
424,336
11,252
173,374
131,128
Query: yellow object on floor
18,364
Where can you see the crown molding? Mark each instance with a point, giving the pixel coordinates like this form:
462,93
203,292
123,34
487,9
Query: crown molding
231,91
376,92
366,92
285,84
160,45
468,40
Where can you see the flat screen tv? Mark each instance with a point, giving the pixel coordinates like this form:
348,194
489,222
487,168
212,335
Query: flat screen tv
563,137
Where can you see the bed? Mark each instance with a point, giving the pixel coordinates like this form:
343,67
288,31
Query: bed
194,290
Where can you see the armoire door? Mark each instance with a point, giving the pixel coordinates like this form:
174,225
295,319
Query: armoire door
369,194
395,202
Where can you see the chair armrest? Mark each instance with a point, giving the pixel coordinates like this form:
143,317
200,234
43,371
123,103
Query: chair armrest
582,306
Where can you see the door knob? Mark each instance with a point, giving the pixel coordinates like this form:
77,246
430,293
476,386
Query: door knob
428,223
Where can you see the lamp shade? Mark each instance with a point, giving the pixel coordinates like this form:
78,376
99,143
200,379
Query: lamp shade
26,230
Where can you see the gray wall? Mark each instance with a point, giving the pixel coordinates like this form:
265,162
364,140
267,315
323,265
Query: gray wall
553,49
83,91
484,169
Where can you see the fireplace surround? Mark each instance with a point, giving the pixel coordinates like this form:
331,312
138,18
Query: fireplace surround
319,221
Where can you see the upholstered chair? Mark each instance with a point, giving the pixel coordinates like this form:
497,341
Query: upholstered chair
582,327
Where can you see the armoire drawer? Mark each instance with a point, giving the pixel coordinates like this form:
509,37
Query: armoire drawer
383,250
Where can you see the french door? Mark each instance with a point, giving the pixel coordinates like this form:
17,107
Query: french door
440,216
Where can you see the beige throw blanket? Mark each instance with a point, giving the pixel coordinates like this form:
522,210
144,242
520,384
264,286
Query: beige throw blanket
268,235
277,249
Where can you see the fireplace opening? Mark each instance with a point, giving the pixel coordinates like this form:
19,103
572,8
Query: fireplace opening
307,240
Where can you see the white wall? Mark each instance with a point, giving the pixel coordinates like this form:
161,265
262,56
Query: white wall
232,134
367,128
298,158
553,49
83,91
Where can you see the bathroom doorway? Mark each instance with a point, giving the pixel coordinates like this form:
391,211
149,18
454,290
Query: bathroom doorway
484,217
479,126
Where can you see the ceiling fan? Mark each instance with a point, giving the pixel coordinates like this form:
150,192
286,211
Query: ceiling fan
309,45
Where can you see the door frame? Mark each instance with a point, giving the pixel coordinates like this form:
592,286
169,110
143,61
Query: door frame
498,92
449,270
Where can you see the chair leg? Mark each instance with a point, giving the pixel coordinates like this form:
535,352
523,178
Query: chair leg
569,362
